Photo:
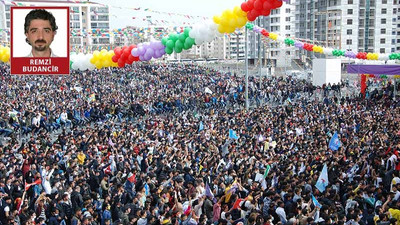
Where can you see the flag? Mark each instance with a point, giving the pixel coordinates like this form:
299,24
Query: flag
232,134
267,171
107,170
322,182
147,189
208,91
334,143
315,201
37,182
92,98
110,142
330,24
207,192
201,126
131,177
237,203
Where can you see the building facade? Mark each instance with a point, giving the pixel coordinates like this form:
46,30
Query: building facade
355,25
89,22
280,21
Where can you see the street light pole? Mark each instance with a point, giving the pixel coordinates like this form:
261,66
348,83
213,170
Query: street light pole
259,52
247,70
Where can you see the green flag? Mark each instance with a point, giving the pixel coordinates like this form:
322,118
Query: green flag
267,171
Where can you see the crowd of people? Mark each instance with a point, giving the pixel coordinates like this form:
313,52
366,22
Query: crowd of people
150,144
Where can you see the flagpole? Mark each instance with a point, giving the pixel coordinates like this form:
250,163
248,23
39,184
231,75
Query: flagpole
247,70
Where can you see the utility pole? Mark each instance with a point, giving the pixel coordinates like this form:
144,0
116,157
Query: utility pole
247,70
259,53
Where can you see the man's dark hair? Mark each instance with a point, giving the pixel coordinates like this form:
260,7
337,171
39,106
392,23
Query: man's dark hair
40,14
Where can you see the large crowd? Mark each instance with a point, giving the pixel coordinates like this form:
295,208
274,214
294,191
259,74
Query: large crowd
150,144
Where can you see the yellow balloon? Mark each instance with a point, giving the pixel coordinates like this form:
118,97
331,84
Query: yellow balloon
237,11
103,51
114,64
241,21
221,29
233,22
107,63
217,19
98,64
93,60
3,58
230,29
7,48
7,58
227,13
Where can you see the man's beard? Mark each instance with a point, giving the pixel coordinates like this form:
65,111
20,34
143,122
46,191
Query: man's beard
40,48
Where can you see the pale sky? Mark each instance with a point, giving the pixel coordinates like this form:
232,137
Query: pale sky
121,11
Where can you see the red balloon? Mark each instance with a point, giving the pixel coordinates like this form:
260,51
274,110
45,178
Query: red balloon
250,4
267,5
251,16
121,63
117,51
135,59
115,58
277,4
245,7
131,47
258,5
127,52
130,58
123,48
129,62
265,12
124,57
256,12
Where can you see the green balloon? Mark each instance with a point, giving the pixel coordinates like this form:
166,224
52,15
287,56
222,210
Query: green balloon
164,41
189,41
182,38
178,44
186,46
170,44
70,64
173,37
168,50
178,50
186,31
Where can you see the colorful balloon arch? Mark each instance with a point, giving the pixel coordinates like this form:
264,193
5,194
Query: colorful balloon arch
227,22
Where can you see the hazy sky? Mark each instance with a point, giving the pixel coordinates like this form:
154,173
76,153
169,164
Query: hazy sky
122,12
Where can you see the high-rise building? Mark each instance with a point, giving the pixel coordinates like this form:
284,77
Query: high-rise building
280,21
89,21
356,25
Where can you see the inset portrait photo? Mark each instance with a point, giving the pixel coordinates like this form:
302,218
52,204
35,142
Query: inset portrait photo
39,40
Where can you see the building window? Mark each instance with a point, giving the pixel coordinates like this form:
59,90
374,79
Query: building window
383,21
349,21
383,31
349,42
350,11
287,10
383,11
349,32
287,27
350,2
287,19
383,40
384,1
382,50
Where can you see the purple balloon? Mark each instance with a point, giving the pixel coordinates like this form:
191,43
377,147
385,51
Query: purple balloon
141,58
160,45
149,52
350,54
298,44
141,50
162,51
153,44
147,57
135,52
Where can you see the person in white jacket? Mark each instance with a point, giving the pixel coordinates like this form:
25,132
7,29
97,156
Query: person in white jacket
46,175
281,212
